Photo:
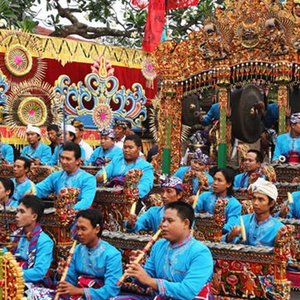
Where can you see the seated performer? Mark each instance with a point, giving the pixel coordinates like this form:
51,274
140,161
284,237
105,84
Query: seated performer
252,166
107,151
34,247
198,166
179,267
6,190
222,189
37,152
23,185
6,152
70,176
288,144
53,133
68,135
151,219
260,227
291,210
131,160
96,266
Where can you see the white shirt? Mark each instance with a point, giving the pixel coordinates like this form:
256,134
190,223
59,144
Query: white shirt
87,148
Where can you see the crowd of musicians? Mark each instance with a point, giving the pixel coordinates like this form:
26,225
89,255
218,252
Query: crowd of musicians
178,266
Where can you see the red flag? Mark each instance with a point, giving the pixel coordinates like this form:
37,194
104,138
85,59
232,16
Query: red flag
173,4
154,24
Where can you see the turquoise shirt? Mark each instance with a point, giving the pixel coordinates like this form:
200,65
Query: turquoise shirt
43,257
107,155
20,190
101,262
61,179
207,201
242,180
284,144
119,167
7,153
181,270
41,152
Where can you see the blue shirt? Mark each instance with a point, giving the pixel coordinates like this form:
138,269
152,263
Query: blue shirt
101,262
212,115
181,172
242,180
20,190
41,152
61,179
43,257
7,153
263,234
54,161
284,144
295,206
207,202
181,270
108,155
149,220
272,115
119,167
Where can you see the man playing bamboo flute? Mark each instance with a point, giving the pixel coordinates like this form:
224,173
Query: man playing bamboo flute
96,266
260,227
151,219
179,267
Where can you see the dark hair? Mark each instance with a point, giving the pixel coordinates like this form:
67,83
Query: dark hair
184,211
27,162
94,216
8,185
35,203
135,138
229,174
53,127
70,146
259,157
72,135
77,124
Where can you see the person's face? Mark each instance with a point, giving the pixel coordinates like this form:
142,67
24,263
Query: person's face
32,138
119,132
250,162
19,168
173,228
196,165
170,195
131,151
68,161
3,193
106,142
220,184
52,135
79,133
295,128
261,203
25,216
87,234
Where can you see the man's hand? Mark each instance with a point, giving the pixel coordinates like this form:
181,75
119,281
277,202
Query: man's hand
235,232
67,288
284,211
36,162
132,218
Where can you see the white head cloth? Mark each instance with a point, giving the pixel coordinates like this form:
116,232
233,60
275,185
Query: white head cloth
31,128
69,128
265,187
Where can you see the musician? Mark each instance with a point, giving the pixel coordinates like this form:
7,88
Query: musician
131,160
79,131
252,166
107,151
212,115
6,190
120,129
53,133
288,144
198,166
37,152
68,135
70,176
6,152
261,228
22,184
291,210
179,267
151,219
96,265
34,247
222,189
